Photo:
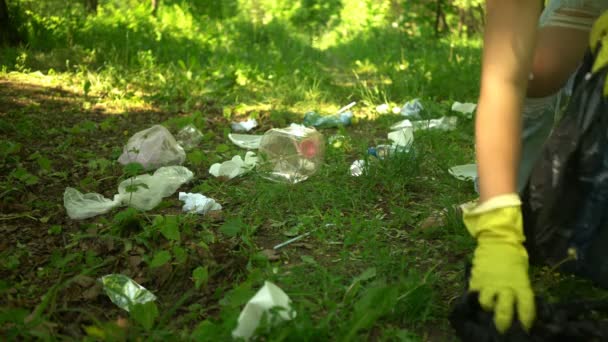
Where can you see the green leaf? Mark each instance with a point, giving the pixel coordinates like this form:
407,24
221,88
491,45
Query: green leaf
200,276
55,230
44,163
232,227
133,169
180,254
221,148
170,228
144,314
196,157
366,275
160,258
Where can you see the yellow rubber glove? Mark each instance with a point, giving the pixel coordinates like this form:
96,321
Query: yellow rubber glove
500,262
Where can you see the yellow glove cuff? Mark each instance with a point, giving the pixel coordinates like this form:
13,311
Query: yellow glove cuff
498,218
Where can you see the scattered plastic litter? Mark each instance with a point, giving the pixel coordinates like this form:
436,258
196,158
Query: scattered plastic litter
292,154
342,118
385,151
357,168
412,108
248,141
244,126
403,137
465,108
143,192
124,291
466,172
383,108
401,125
234,167
152,148
198,203
189,137
446,123
268,297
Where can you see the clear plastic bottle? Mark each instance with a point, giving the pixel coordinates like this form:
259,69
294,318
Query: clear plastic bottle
292,154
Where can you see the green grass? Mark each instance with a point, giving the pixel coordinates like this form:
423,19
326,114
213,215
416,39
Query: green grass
368,271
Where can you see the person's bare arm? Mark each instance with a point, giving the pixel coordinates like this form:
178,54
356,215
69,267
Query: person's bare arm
509,41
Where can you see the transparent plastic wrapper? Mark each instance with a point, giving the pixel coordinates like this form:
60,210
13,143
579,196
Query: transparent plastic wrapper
383,108
81,206
292,154
198,203
189,137
153,148
142,192
403,137
446,123
464,108
342,118
149,190
244,126
268,297
357,168
124,291
412,108
565,201
234,167
248,141
467,172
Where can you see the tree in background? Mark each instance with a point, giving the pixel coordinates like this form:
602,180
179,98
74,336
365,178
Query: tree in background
8,31
91,6
155,4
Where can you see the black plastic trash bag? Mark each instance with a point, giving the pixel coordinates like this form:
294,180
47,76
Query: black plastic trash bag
567,321
565,205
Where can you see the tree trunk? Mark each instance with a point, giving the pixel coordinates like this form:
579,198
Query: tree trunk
91,6
437,17
155,4
8,32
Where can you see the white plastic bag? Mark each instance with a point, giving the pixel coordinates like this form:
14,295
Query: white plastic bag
149,190
142,192
153,148
268,297
81,206
189,137
198,203
235,166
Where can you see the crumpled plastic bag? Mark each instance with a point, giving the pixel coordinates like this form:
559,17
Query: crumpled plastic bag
412,108
124,291
189,137
565,201
467,172
445,123
143,192
234,167
403,137
198,203
152,148
357,168
268,297
244,126
464,108
248,141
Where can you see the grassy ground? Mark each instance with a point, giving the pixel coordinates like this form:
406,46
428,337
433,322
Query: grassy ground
368,271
